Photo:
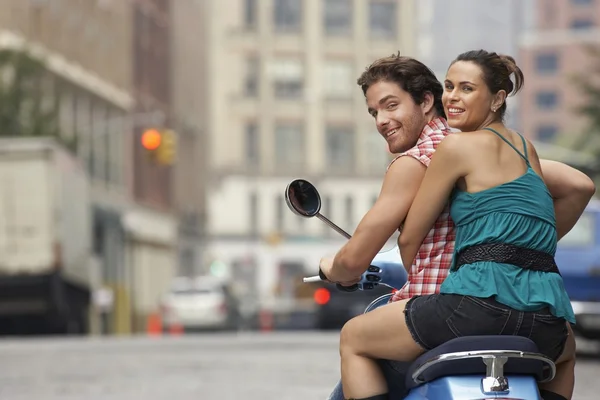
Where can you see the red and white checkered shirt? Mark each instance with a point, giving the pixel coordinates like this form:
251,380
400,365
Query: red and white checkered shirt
432,263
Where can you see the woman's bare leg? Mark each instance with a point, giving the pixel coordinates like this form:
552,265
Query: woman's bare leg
564,382
379,334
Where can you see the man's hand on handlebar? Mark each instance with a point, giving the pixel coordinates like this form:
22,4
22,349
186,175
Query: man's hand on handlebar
326,271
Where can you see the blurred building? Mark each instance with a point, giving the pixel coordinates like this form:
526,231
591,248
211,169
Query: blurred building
189,100
86,47
445,30
552,54
118,68
168,79
151,84
153,228
283,103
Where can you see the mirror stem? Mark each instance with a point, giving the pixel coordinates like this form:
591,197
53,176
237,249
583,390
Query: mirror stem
334,226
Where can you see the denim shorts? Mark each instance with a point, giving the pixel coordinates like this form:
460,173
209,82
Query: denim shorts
437,318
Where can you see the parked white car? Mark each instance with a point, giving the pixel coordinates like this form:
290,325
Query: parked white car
200,303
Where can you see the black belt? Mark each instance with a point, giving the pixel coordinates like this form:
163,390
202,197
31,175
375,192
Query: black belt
508,254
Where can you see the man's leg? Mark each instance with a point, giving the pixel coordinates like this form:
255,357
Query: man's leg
395,374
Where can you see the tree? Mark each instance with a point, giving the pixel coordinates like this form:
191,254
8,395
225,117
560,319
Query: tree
589,86
24,107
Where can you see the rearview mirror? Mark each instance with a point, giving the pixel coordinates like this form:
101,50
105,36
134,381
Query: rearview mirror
303,198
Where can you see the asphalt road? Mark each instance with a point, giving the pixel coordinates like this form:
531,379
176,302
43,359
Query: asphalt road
283,366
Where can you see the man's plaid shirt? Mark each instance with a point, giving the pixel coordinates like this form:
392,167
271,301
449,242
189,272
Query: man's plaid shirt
432,263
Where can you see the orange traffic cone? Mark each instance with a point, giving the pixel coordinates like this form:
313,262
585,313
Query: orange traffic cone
154,325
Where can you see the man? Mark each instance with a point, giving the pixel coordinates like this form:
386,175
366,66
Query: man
409,114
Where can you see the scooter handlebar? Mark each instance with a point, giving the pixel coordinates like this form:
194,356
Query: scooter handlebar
310,279
386,269
317,278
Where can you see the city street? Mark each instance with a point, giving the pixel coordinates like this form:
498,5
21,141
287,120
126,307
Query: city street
283,366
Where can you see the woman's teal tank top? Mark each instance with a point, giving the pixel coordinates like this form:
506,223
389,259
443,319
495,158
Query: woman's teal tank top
519,212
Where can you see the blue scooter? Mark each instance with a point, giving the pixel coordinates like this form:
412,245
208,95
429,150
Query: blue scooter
466,368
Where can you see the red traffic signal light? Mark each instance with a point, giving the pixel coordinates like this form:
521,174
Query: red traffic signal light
322,296
151,139
161,145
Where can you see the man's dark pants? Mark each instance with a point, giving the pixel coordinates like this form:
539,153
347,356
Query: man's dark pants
395,375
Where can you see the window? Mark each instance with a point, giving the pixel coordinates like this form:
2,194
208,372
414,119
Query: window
48,91
114,143
337,79
382,19
582,24
288,15
337,17
582,233
289,145
252,144
581,2
279,216
252,76
99,152
549,19
187,262
66,114
83,123
250,13
349,213
327,204
288,78
377,153
253,213
99,238
546,133
546,62
546,99
340,148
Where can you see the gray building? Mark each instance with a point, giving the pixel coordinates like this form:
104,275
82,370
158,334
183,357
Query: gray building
281,79
448,28
553,54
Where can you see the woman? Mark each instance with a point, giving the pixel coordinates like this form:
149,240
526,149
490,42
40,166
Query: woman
493,178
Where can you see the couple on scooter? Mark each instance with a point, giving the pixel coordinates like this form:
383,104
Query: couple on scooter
484,187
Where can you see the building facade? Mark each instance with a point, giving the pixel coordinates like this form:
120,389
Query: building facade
552,55
85,47
283,103
189,101
445,30
109,70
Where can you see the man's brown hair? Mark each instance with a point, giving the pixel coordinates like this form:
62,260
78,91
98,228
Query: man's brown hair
411,75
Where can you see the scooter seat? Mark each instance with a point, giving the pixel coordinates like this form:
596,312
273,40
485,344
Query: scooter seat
476,366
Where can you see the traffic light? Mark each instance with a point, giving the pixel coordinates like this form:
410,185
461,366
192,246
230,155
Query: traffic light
151,139
161,144
165,154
